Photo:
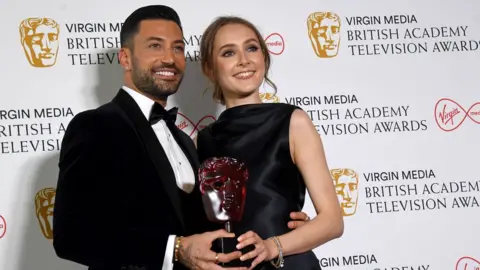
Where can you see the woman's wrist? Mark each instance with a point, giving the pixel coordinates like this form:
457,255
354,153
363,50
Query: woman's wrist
273,251
277,261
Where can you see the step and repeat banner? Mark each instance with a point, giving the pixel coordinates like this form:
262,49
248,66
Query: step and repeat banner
392,87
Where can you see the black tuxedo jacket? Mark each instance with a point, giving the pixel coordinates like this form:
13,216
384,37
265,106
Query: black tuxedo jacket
117,200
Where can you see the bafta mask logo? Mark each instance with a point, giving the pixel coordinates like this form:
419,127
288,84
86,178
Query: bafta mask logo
346,185
44,202
39,39
268,95
324,33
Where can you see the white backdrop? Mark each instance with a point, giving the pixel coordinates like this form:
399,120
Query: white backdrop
396,103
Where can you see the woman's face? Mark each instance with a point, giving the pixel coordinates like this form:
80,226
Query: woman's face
239,63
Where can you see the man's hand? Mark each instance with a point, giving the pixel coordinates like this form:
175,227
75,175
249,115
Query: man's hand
195,251
300,218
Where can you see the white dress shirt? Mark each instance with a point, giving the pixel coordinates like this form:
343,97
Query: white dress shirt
179,162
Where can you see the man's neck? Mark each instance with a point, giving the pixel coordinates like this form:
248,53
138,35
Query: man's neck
162,102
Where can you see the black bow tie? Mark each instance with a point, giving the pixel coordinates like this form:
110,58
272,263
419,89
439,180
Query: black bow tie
158,113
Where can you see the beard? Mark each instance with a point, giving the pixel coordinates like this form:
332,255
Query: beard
145,81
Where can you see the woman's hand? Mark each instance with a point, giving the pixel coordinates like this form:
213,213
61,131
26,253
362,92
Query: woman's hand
265,250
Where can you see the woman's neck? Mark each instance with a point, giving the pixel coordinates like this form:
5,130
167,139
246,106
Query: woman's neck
254,98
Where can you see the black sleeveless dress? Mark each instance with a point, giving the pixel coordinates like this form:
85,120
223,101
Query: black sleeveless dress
258,134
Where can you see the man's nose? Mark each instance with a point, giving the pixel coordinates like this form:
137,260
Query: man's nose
168,57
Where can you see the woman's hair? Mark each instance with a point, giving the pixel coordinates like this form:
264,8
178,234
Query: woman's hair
206,51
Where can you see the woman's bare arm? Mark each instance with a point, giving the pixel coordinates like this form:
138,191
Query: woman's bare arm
308,154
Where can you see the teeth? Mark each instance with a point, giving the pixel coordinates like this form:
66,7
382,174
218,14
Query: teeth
164,73
244,74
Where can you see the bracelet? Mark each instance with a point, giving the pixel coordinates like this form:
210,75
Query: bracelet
280,262
177,246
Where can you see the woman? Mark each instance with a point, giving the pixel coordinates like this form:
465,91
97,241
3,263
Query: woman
279,145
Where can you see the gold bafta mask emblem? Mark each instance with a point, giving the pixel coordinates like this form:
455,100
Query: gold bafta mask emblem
346,186
267,94
269,98
39,39
324,33
44,201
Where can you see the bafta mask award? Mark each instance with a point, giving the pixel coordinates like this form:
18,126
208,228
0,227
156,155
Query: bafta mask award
223,187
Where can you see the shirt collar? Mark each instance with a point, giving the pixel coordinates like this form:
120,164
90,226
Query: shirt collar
142,101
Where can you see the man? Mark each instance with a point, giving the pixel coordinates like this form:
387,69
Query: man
127,191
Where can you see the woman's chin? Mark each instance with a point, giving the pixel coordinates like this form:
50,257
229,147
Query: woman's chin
252,92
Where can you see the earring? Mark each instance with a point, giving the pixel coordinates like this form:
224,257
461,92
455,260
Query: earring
210,85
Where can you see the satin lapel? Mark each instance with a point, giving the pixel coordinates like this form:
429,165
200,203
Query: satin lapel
153,148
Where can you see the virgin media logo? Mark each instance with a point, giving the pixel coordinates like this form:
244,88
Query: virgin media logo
3,226
450,115
467,263
190,127
275,43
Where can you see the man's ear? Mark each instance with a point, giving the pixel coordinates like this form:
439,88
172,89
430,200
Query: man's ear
124,56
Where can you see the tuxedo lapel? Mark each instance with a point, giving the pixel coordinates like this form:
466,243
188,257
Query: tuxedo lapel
153,147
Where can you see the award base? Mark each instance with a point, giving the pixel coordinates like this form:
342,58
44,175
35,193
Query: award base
229,245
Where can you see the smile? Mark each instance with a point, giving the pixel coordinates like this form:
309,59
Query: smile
165,74
244,75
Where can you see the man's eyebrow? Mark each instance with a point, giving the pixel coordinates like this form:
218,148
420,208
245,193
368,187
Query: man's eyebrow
159,39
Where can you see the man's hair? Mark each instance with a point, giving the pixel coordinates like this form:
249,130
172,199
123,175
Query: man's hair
153,12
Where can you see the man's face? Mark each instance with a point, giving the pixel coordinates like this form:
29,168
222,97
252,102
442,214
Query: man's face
158,58
347,193
326,36
41,45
